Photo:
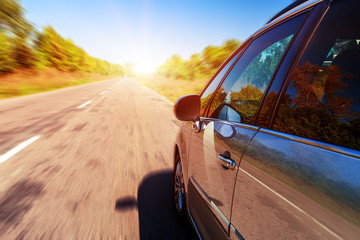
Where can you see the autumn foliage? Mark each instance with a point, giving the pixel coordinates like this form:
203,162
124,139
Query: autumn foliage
24,47
316,106
199,65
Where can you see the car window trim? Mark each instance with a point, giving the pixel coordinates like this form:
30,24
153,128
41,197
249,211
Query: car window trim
240,50
221,67
307,11
327,146
289,61
236,124
303,46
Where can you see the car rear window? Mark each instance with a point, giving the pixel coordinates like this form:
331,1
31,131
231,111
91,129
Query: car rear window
322,100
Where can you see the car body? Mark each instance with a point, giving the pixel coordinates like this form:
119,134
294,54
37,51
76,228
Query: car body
270,148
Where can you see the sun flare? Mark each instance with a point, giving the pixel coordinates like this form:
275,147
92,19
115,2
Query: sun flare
145,67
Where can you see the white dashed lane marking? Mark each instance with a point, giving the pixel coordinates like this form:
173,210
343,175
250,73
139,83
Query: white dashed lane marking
18,148
84,104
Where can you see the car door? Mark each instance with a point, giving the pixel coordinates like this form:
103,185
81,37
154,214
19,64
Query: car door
189,127
299,177
215,151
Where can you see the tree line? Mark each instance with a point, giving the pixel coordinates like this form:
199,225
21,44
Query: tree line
24,47
199,65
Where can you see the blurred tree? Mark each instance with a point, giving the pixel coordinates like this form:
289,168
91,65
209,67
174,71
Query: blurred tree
63,54
12,18
19,30
194,67
22,47
6,60
199,65
51,47
22,53
212,56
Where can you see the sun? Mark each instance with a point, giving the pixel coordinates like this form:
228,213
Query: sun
145,67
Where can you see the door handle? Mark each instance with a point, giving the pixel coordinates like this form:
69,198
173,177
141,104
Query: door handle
226,162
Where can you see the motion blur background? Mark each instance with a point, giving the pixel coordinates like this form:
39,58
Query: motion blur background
95,160
74,42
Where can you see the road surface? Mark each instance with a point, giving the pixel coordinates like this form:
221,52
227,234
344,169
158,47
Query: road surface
88,162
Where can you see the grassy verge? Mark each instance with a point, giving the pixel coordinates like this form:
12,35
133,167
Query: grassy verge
28,82
172,88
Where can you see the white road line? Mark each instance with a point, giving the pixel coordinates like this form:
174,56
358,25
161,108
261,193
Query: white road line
299,209
18,148
84,104
102,93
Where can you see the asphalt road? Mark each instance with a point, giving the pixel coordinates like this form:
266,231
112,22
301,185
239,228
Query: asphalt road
88,162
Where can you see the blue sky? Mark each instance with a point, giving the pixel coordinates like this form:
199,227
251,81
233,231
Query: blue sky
147,32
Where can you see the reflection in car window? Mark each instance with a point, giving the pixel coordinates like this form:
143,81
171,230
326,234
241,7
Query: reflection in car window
226,112
245,85
206,96
322,101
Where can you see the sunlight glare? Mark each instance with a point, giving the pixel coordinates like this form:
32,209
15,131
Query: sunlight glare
145,67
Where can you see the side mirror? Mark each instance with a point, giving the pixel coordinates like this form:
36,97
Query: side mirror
187,108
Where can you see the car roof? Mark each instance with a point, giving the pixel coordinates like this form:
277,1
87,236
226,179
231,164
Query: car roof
288,8
287,12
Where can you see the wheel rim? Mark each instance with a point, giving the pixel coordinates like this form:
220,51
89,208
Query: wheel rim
179,188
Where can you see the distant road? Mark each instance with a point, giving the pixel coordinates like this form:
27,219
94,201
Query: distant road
88,162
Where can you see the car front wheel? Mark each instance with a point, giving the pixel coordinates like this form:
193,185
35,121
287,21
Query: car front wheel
179,189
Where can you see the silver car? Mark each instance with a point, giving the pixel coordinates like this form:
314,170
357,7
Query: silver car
270,148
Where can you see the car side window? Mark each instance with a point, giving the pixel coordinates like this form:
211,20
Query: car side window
322,100
247,82
206,95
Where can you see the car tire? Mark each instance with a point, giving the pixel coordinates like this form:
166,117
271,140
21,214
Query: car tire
179,189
